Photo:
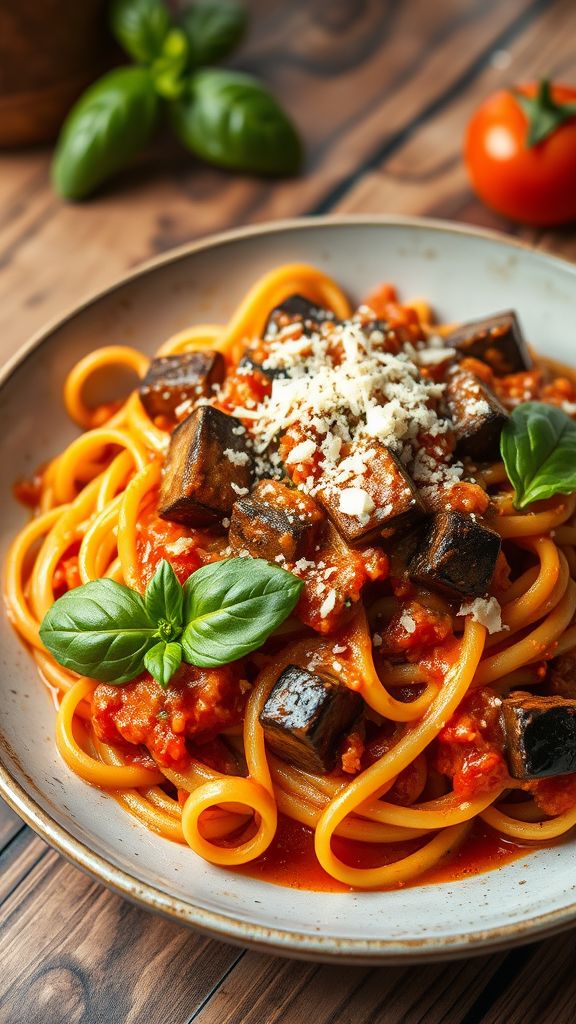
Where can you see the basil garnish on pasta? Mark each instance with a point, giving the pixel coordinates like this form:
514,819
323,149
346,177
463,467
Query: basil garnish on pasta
538,445
230,614
225,610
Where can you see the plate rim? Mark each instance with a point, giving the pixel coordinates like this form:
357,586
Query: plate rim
282,941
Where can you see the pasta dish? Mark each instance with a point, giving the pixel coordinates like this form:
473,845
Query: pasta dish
315,576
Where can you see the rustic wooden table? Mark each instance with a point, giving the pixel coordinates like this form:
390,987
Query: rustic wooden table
381,90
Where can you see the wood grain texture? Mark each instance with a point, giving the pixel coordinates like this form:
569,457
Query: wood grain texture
10,824
382,91
72,952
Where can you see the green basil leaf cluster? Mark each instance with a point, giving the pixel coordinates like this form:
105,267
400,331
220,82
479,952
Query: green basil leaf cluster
231,120
224,611
538,446
225,118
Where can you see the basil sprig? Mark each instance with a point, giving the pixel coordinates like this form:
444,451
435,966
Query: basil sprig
225,610
223,117
538,445
231,120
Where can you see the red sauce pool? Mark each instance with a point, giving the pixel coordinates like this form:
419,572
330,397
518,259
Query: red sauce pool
290,860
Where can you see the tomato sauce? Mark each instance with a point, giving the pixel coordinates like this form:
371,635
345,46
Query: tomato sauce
290,860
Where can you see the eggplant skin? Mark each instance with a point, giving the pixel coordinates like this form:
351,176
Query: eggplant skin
457,556
478,416
305,717
496,340
540,735
297,309
396,501
171,380
198,486
276,523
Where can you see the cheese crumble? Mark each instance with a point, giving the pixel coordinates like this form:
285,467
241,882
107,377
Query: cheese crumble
341,388
486,611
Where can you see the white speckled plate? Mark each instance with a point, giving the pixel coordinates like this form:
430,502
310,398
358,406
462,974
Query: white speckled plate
465,273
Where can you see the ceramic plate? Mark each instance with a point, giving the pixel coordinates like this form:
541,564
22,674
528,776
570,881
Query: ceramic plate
465,273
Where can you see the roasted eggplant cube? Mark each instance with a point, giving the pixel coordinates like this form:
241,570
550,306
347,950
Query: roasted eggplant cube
540,735
306,716
207,466
391,498
478,416
457,556
172,380
561,677
496,340
296,309
276,523
249,364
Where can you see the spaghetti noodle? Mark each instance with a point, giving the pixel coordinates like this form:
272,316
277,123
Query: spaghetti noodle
425,759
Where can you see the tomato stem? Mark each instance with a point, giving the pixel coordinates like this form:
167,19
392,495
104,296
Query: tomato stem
544,114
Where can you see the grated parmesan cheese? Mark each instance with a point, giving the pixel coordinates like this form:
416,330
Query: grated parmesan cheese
486,611
407,622
180,546
236,458
303,451
328,604
342,388
354,501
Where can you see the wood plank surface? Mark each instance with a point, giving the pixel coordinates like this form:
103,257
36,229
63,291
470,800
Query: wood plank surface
381,91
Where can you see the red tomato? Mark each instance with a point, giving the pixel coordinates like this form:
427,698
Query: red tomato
535,183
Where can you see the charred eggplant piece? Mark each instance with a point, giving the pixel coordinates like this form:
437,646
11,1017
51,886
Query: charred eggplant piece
540,735
275,522
496,340
456,556
249,364
371,327
296,309
391,498
207,466
306,716
562,676
171,380
477,414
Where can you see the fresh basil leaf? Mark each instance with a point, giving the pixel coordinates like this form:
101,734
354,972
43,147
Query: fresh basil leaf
538,445
231,120
231,607
213,30
101,630
140,26
108,125
163,596
162,661
168,69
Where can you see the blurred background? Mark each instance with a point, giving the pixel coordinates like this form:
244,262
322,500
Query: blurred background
380,92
